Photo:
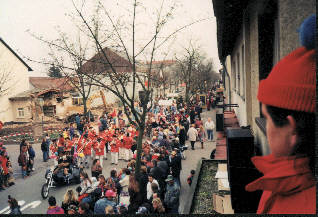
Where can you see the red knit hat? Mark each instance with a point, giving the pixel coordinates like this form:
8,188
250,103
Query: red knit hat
292,82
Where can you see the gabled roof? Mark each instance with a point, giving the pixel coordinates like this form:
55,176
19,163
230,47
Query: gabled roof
61,84
98,63
15,54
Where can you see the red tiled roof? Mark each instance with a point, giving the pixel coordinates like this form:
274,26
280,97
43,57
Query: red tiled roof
164,62
98,63
49,83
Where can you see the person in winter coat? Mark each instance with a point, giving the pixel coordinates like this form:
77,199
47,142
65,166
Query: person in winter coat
70,198
288,104
45,150
175,167
193,135
14,206
149,189
135,197
124,183
202,136
182,135
209,126
172,196
31,156
53,208
23,161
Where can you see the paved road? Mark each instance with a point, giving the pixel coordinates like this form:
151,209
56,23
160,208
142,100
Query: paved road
28,191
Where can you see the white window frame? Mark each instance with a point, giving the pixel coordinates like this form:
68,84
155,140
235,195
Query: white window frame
20,112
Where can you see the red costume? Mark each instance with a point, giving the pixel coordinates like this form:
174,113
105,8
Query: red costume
99,151
88,148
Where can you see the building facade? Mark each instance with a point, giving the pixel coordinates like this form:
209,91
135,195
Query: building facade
252,37
14,78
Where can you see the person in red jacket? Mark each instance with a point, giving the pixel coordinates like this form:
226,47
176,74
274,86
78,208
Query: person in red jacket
114,149
288,97
128,142
87,150
99,150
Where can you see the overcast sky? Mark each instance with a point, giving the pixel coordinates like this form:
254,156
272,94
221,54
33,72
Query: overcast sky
42,16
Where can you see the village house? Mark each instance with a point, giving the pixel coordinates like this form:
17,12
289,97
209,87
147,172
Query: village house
14,78
252,37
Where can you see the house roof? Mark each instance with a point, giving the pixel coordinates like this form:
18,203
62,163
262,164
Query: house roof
15,54
49,83
98,63
229,17
36,91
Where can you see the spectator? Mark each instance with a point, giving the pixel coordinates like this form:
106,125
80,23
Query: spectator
288,184
192,115
31,156
190,177
96,168
124,183
109,210
83,209
86,184
143,180
157,206
45,150
14,206
182,135
23,160
135,197
22,144
172,196
53,209
175,166
151,180
202,136
192,134
108,200
122,209
70,198
72,209
209,126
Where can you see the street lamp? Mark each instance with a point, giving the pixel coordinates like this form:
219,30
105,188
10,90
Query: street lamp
41,103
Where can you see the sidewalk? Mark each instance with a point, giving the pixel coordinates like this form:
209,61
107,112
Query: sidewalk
193,157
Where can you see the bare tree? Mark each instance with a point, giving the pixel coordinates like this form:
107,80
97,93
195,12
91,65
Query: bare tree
119,76
186,65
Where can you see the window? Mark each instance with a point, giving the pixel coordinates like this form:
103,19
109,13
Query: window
243,73
76,100
234,76
238,74
20,112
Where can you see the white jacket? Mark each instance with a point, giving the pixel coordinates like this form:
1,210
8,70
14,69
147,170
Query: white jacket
192,134
209,125
124,183
149,190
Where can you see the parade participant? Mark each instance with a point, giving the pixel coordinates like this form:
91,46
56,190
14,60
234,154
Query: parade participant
288,97
61,141
127,143
99,150
114,150
87,150
61,172
121,150
54,153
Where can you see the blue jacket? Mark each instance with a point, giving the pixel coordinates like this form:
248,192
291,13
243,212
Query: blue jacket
101,204
31,152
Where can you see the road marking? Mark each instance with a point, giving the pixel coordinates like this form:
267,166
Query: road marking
33,205
21,202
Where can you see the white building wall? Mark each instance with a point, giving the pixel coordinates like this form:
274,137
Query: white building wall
19,81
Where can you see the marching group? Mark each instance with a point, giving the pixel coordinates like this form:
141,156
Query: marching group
156,189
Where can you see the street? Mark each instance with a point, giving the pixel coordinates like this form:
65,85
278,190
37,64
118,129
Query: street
28,191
